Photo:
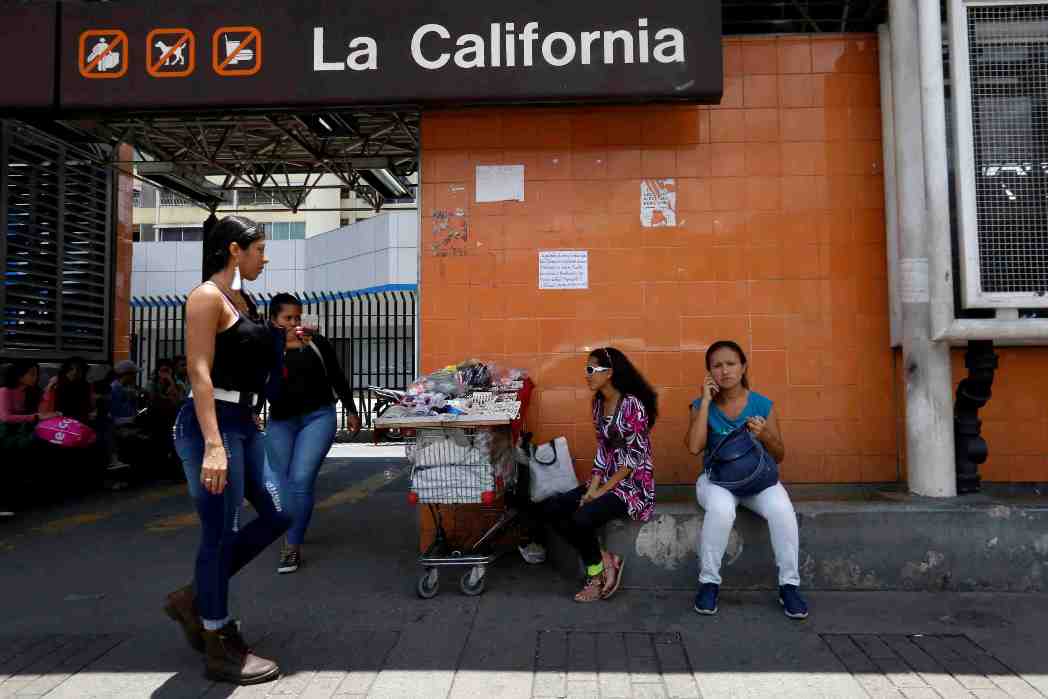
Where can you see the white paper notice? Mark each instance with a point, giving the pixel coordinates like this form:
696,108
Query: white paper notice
500,183
658,203
563,269
913,277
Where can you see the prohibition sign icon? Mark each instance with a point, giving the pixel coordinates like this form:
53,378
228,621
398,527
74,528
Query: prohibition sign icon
168,47
97,64
227,52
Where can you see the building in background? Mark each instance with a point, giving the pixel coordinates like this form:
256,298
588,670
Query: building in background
374,252
362,248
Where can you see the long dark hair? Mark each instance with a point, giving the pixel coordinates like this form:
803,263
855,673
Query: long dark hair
16,371
734,347
220,234
68,365
73,398
627,380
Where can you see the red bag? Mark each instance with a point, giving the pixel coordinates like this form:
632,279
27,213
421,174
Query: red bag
65,432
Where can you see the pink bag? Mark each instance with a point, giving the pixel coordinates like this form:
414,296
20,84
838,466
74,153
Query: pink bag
65,432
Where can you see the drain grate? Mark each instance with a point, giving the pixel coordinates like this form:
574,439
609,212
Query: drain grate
606,664
925,665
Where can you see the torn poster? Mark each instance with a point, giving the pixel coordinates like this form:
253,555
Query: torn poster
658,203
500,183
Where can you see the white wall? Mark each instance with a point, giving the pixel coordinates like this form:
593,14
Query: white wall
374,252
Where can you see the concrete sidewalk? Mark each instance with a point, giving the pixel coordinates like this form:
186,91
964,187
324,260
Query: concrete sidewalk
83,585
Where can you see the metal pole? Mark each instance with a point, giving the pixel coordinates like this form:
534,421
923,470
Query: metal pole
891,205
926,364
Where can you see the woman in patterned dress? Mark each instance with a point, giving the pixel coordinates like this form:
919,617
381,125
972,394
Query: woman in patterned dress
622,483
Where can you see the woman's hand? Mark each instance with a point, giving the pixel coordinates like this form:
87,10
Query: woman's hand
709,389
588,497
215,468
353,423
46,416
757,426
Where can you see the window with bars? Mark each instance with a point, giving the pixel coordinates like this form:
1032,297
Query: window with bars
266,197
177,234
170,200
56,296
286,230
1008,64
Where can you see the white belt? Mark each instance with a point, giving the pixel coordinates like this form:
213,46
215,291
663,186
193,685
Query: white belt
227,396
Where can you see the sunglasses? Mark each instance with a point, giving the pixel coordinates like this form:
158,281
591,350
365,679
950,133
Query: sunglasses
591,370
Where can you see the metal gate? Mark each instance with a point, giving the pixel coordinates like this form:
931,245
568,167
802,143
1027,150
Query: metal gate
56,297
372,333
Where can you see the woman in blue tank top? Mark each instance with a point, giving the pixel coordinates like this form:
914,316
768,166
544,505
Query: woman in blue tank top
232,354
726,404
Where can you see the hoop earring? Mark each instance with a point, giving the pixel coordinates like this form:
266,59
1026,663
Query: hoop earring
237,284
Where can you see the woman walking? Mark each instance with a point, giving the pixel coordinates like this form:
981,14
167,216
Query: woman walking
302,420
622,483
232,354
727,403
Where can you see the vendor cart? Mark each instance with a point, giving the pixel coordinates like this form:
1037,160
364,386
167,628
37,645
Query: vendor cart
461,460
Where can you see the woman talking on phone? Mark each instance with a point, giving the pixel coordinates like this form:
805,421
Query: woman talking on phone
232,354
302,420
727,404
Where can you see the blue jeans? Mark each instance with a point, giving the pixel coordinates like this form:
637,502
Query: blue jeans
296,448
225,546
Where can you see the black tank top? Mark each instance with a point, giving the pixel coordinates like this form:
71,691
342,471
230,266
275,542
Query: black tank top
244,354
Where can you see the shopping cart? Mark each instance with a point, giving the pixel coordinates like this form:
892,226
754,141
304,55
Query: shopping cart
457,466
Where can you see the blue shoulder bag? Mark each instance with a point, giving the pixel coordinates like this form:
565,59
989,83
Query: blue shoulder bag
739,463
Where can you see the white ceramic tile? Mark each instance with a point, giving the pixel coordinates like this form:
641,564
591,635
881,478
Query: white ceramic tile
188,256
280,280
161,283
407,266
138,284
138,256
186,281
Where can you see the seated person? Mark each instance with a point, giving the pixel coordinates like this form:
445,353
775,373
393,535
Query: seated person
69,393
124,394
19,413
727,403
19,401
623,482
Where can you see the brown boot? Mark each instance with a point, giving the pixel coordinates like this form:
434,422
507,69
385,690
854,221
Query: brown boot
230,660
180,608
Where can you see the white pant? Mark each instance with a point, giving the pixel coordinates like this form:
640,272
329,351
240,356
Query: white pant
773,504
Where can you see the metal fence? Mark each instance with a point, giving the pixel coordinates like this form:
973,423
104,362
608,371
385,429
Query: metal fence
373,333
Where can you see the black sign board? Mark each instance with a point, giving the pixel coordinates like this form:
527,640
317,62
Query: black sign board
27,53
281,53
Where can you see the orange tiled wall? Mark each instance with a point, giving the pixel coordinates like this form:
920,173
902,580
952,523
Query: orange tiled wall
780,246
1015,421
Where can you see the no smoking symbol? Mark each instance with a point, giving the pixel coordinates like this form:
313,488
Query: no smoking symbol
172,53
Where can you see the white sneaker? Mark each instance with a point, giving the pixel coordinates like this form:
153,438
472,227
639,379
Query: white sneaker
533,553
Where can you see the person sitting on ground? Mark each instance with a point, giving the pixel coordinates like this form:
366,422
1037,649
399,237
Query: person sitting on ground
19,401
302,418
181,374
728,403
19,395
125,395
165,397
70,394
623,480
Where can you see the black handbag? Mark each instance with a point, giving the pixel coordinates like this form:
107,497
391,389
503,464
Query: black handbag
740,464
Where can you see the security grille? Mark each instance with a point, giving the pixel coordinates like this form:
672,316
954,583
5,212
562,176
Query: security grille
56,294
1002,137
